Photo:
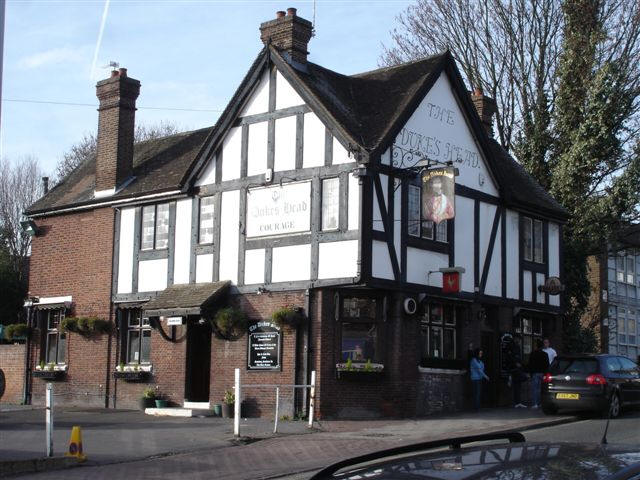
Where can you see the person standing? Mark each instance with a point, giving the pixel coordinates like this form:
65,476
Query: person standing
551,353
516,374
476,371
538,366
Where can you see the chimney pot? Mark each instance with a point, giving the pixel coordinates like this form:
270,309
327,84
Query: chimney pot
280,14
291,11
123,72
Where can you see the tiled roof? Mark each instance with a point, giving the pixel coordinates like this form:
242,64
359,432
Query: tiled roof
193,297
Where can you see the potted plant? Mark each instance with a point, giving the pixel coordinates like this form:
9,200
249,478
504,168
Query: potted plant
148,399
228,403
160,402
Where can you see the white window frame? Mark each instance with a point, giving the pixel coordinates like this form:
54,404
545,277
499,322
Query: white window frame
156,226
334,204
210,199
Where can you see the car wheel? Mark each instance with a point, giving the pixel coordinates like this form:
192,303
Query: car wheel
549,409
614,406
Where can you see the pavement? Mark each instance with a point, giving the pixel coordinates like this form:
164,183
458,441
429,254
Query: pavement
123,444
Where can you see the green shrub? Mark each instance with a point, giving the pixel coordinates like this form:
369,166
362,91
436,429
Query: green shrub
230,323
229,397
149,392
86,326
16,331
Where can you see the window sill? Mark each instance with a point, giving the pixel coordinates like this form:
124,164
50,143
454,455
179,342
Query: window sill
60,367
49,374
360,371
132,376
134,367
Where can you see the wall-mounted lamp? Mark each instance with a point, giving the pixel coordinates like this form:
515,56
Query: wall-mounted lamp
360,171
29,227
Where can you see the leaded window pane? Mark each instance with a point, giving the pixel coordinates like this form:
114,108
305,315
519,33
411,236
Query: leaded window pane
538,240
330,203
52,344
148,226
145,348
435,342
441,231
427,229
449,343
206,220
62,348
133,346
162,226
527,237
359,340
414,210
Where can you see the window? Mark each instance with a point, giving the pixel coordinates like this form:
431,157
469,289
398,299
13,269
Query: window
622,323
138,337
330,203
206,220
438,329
529,331
417,227
631,327
55,350
533,241
625,267
359,330
155,227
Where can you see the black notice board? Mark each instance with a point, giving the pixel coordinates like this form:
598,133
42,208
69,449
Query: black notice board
264,351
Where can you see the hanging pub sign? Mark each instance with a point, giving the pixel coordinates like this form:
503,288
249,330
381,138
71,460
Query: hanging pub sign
265,346
438,194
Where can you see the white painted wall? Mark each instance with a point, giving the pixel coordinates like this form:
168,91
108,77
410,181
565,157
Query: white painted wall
231,148
291,263
439,130
420,262
204,268
381,262
313,141
487,213
513,254
539,281
285,147
377,216
229,232
527,278
254,266
259,100
125,253
353,209
286,96
338,259
257,148
182,254
340,154
554,258
208,176
152,275
464,235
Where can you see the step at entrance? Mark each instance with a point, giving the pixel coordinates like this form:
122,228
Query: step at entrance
179,412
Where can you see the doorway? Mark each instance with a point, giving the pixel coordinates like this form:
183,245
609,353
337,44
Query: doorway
198,371
489,358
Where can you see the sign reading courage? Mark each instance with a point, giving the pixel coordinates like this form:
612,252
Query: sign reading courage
279,210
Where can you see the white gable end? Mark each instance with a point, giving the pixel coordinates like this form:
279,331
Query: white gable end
439,131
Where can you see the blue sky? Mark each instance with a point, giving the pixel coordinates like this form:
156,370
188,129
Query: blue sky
187,54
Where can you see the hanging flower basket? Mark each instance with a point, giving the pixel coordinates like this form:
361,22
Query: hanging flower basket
229,323
16,331
50,372
87,326
359,371
132,373
291,316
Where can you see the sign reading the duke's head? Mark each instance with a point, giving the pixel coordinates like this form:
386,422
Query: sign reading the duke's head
265,342
279,210
438,194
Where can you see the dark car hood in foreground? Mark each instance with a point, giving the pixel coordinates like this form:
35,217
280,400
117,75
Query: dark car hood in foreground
515,461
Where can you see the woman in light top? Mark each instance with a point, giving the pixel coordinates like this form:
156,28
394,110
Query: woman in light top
476,370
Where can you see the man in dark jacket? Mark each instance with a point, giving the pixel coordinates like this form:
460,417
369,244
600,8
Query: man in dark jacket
538,366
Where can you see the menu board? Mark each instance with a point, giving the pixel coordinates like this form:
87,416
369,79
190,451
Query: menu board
265,345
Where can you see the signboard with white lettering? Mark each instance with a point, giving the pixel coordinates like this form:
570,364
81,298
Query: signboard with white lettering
279,210
172,321
265,345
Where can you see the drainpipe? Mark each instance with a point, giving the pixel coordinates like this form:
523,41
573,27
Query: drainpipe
107,384
26,390
306,357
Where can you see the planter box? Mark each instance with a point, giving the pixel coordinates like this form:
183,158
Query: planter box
49,374
139,376
359,375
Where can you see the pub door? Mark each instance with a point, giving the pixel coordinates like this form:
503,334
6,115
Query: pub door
198,361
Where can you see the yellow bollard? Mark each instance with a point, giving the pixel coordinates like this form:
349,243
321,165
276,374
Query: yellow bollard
75,445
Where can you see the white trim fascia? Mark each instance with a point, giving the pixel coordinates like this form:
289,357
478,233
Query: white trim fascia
104,193
119,202
49,300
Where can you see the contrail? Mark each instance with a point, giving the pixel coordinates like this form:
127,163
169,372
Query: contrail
99,42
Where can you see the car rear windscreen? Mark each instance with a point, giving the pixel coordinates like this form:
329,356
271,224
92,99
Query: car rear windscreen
574,365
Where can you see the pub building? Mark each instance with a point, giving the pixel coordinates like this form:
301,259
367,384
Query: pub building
307,201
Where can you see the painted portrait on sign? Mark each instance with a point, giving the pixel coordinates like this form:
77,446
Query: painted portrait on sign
438,194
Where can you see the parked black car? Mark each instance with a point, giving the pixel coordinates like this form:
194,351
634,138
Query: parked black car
604,383
517,459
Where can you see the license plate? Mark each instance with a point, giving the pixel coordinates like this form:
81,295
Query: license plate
568,396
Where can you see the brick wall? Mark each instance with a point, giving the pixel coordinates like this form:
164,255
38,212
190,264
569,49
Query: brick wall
72,256
12,366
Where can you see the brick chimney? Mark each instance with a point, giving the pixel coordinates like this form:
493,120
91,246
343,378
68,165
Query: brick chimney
486,108
116,125
288,33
